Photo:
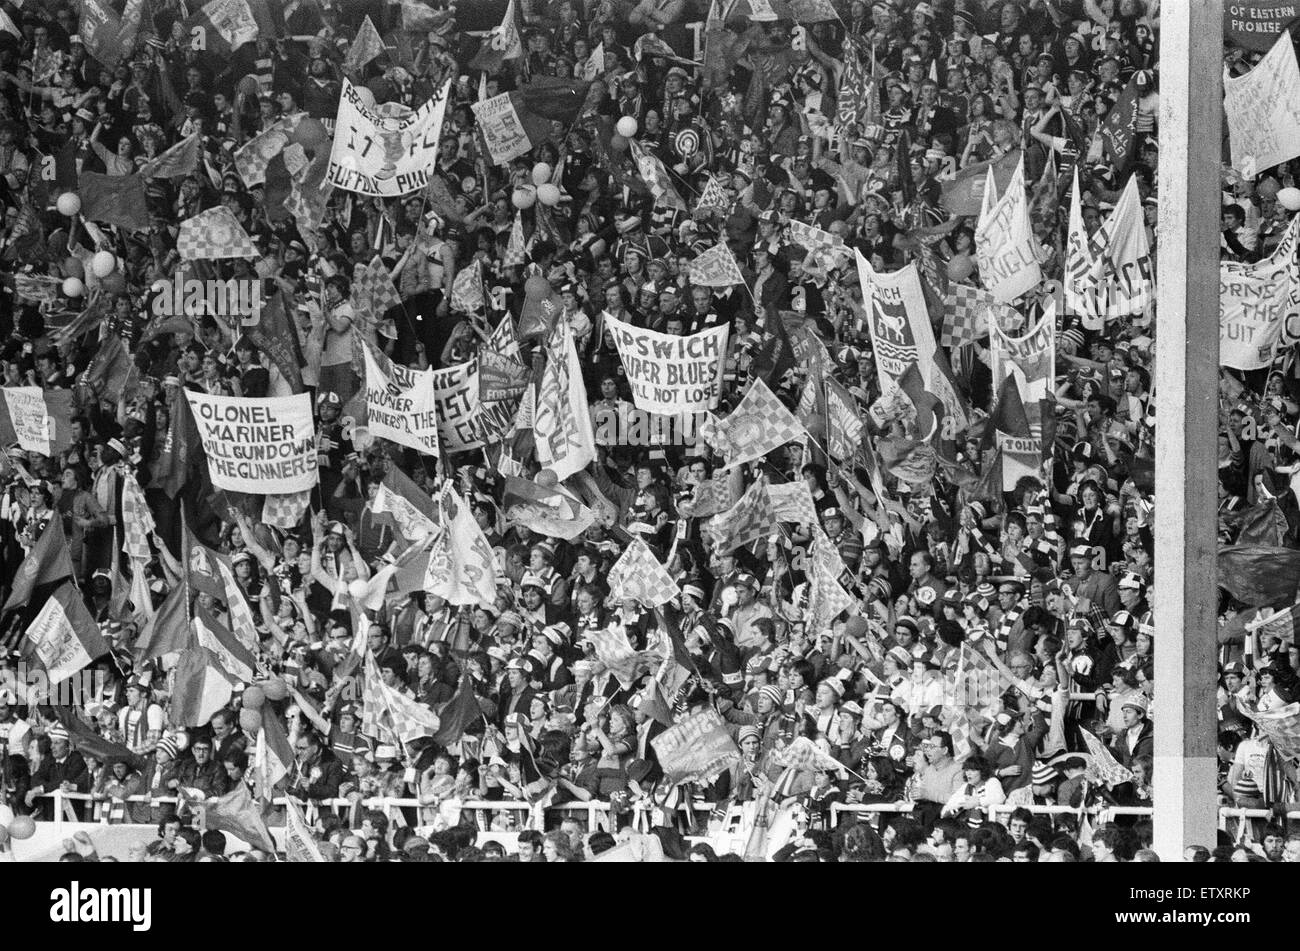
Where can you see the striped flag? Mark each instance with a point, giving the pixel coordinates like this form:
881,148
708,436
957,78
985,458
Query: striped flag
200,689
235,659
63,638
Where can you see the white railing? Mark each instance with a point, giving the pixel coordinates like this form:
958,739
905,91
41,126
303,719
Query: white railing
596,814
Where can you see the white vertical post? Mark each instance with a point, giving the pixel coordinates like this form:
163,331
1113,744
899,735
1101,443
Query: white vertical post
1187,366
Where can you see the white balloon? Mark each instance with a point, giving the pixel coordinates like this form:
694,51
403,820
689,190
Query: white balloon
362,438
542,173
366,95
626,127
523,198
358,589
72,287
69,204
548,194
103,264
1289,198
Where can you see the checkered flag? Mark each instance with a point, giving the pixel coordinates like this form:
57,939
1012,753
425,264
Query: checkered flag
373,293
966,315
716,267
747,521
758,425
709,498
213,235
714,196
137,520
827,598
516,253
638,576
467,289
285,511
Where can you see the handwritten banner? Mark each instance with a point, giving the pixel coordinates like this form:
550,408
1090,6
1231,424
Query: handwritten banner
503,132
897,320
671,374
456,395
1004,241
264,446
696,749
1252,314
382,155
1263,114
402,407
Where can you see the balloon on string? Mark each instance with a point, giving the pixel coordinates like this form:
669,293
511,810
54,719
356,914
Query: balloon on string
1289,198
275,689
358,589
254,697
103,264
626,127
618,143
362,439
542,173
72,267
250,721
22,827
548,195
523,198
547,479
73,287
69,204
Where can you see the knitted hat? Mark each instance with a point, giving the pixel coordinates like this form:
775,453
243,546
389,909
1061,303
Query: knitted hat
167,745
772,693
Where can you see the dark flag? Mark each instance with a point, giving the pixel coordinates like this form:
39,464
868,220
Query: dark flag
168,631
87,742
458,714
1260,576
177,455
114,199
1119,129
774,355
1009,415
275,335
47,562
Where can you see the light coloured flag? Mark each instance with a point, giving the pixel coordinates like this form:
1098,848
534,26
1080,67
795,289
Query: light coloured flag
299,845
562,425
223,26
639,576
462,566
365,46
716,267
595,63
214,234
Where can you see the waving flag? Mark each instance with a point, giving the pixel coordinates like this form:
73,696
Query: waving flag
462,566
387,710
365,47
655,176
114,200
201,688
503,43
214,234
749,520
1102,766
223,26
177,162
63,638
716,267
639,576
759,424
562,425
48,561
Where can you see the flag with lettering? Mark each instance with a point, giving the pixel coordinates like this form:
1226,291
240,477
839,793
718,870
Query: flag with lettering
462,566
1122,267
63,638
562,425
1005,246
1118,130
223,26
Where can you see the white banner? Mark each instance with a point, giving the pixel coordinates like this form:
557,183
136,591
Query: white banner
462,567
502,130
456,395
403,407
264,446
897,320
1021,456
671,374
55,643
1004,241
1263,109
32,423
1252,315
384,155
